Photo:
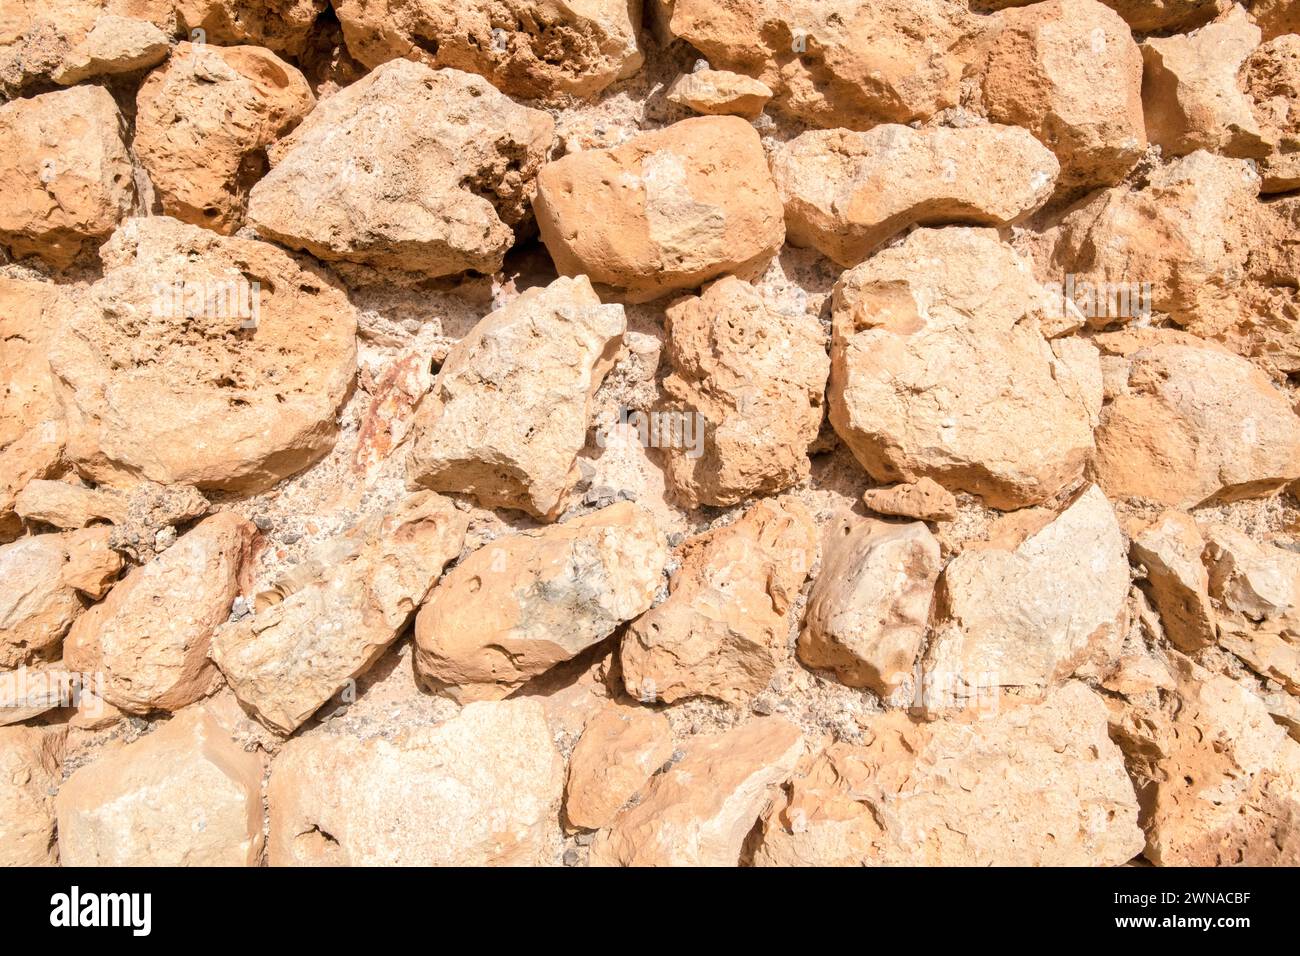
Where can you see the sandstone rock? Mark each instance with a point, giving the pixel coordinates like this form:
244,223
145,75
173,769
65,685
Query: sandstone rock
722,632
150,637
669,209
1145,16
114,45
846,193
1069,72
527,48
339,611
510,408
837,62
699,812
37,604
1191,95
619,749
29,692
432,186
720,93
66,505
203,122
151,508
1169,549
1189,422
1276,17
870,603
92,564
260,353
930,335
924,499
67,172
1031,616
524,603
1271,75
280,25
30,760
1037,784
481,789
1219,781
756,375
185,795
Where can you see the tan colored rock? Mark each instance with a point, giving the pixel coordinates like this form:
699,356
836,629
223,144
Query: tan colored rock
757,376
1032,616
1070,73
1276,17
846,193
526,48
67,172
932,334
114,45
1187,234
1189,422
150,637
669,209
1146,16
481,789
67,505
524,603
30,772
29,692
37,604
151,509
1036,784
1169,548
333,616
837,62
92,565
509,410
246,391
924,499
619,749
185,795
722,633
870,603
409,168
1219,781
720,93
1271,75
1191,95
203,121
280,25
699,812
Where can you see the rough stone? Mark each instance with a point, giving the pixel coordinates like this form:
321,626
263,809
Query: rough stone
1168,549
722,632
668,209
620,748
113,45
30,772
1271,75
720,93
924,499
67,505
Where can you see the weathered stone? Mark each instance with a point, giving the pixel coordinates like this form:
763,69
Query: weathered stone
837,62
699,812
151,508
92,564
185,795
203,121
720,93
30,761
1276,17
932,334
481,789
722,632
524,603
29,692
1189,422
756,375
1037,784
619,749
150,637
1144,16
67,173
1191,95
669,209
1271,75
1069,72
1219,781
1169,550
333,616
245,390
37,603
846,193
1031,616
527,48
510,408
409,168
280,25
114,45
870,603
924,499
67,505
